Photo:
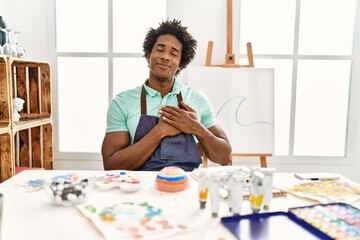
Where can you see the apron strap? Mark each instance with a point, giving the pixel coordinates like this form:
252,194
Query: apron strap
180,99
143,101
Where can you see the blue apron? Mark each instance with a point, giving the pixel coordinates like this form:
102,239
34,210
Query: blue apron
180,150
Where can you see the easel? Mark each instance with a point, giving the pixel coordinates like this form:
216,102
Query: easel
263,162
230,63
229,56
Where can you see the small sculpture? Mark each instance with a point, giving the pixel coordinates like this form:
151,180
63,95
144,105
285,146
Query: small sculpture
17,107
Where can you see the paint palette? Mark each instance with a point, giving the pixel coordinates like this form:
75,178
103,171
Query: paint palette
337,220
32,185
125,180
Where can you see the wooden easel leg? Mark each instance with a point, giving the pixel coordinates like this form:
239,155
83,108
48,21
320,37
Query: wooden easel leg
263,162
209,54
231,162
250,54
203,156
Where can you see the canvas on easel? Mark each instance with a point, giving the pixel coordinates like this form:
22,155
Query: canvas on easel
243,102
242,97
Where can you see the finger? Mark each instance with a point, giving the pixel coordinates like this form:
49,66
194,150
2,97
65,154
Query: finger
169,121
171,115
169,109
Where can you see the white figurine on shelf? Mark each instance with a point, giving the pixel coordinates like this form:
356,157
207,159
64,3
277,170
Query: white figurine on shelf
17,107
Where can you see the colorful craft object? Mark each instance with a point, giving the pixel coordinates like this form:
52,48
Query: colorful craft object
171,179
68,189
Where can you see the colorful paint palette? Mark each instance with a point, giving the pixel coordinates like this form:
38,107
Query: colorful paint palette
337,220
127,181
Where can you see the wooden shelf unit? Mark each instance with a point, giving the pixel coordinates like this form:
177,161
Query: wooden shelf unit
28,142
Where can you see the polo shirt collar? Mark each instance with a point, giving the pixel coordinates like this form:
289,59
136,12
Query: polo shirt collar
177,87
152,92
149,91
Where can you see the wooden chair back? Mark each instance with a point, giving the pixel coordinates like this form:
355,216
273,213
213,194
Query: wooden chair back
205,160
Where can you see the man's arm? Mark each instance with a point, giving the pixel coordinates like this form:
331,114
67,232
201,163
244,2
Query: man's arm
215,144
118,153
213,140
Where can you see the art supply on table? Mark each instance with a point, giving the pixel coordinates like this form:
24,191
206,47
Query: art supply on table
172,179
320,176
245,171
224,187
253,169
327,191
331,221
276,193
271,225
126,181
257,191
236,184
69,189
203,188
32,185
268,184
215,179
134,220
337,220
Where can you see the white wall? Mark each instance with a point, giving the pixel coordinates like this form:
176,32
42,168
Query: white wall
35,21
31,19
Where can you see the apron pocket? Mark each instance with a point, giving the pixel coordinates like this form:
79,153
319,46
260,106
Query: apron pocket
173,147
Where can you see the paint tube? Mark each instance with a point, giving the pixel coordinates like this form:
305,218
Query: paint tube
236,185
215,179
257,191
268,182
224,188
203,188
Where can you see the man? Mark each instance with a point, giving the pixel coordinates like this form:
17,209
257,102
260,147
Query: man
153,126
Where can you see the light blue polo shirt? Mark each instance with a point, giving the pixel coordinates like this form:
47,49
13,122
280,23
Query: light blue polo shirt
124,110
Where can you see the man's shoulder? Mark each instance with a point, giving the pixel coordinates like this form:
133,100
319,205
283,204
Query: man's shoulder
127,99
130,93
193,92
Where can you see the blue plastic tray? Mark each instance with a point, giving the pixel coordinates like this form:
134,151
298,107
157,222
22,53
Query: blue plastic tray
274,225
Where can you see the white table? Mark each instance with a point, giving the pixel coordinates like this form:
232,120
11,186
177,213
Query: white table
32,216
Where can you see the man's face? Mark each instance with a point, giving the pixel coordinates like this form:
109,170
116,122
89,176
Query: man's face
165,57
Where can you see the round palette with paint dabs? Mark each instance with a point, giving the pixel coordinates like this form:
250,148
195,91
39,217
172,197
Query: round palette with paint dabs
337,220
127,181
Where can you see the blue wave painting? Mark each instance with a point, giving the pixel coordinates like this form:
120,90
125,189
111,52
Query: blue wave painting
237,115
